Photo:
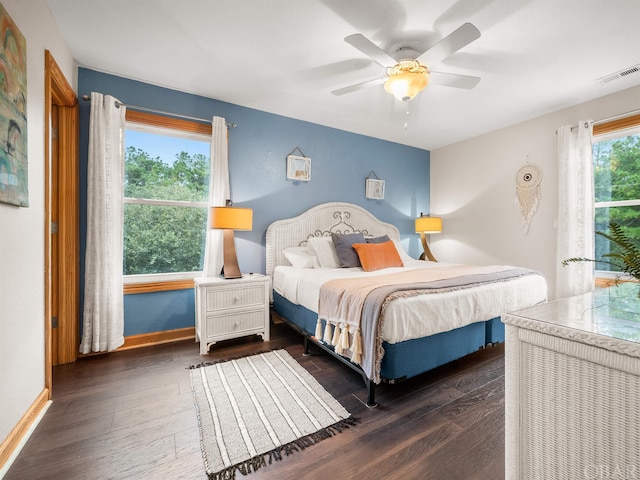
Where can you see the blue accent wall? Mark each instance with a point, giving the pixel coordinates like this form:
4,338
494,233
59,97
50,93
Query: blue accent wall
158,311
258,147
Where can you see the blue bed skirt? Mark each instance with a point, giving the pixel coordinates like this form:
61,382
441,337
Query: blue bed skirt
412,357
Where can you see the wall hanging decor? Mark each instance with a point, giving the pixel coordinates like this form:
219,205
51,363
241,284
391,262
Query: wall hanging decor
14,185
374,187
528,191
298,167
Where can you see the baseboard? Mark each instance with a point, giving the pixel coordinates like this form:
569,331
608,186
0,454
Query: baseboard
158,338
14,442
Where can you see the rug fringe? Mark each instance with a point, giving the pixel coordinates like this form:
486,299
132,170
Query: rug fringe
254,464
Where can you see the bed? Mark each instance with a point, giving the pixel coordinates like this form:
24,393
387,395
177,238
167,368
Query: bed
388,316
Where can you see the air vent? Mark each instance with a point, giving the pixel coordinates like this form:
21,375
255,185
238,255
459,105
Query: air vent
620,74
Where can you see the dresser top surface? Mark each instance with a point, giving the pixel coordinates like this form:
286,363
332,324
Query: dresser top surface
611,312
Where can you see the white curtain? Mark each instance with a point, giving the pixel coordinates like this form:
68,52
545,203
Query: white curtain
576,210
103,316
218,194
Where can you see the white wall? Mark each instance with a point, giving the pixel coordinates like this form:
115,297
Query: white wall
473,189
22,230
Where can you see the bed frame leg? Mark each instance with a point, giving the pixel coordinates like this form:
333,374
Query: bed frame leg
371,393
371,387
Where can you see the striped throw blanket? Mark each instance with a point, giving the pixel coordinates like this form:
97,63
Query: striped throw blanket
353,308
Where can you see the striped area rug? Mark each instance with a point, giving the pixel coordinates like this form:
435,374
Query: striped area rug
256,409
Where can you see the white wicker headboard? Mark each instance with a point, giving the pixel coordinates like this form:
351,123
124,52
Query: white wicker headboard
321,221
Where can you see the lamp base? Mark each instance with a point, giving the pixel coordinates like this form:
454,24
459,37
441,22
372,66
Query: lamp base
230,268
427,253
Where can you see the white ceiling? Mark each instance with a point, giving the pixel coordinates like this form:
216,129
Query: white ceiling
286,56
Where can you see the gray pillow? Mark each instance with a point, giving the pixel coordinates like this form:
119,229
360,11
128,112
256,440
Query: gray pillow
382,239
347,256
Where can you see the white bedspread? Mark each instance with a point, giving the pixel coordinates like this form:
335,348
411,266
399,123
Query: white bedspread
421,315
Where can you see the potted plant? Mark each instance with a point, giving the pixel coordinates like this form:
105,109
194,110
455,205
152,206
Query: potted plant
625,258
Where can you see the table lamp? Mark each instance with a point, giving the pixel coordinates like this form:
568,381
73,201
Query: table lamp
426,225
229,219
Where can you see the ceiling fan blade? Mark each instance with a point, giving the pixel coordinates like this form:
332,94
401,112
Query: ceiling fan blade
453,80
370,49
450,44
359,86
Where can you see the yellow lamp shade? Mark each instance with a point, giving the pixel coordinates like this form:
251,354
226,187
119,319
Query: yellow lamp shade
428,225
406,85
232,218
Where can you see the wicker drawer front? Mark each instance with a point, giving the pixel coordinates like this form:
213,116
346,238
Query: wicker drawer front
224,298
572,402
235,323
577,417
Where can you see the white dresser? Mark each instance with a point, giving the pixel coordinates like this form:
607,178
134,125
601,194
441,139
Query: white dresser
230,308
572,388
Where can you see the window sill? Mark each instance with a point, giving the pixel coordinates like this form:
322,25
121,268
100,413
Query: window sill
165,286
606,282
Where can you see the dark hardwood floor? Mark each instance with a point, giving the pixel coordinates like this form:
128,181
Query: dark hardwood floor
130,415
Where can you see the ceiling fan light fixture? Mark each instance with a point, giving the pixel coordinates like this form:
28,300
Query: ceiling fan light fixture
406,80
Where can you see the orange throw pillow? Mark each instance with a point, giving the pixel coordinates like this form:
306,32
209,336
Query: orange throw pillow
375,256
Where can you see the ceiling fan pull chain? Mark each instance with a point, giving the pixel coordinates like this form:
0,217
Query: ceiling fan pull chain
406,119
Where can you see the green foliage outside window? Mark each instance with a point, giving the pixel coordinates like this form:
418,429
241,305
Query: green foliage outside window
160,238
616,178
625,258
146,177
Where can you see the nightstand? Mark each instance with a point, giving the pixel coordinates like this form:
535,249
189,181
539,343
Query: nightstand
231,308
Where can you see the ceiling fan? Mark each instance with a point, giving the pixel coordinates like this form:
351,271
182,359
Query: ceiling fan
408,71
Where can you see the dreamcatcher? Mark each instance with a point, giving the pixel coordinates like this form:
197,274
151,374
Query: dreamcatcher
528,181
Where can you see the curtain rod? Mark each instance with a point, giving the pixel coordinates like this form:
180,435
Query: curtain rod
608,119
161,112
573,127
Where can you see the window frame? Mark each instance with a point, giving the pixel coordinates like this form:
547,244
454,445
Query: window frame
604,131
158,282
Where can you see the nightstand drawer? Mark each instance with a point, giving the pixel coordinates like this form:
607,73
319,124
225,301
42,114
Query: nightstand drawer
235,323
221,298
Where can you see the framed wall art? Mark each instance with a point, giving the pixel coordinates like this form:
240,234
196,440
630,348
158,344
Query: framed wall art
298,168
14,184
374,187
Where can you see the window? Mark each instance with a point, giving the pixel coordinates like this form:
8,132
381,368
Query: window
616,164
166,190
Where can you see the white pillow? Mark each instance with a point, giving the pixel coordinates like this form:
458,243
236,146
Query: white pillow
300,257
324,249
404,256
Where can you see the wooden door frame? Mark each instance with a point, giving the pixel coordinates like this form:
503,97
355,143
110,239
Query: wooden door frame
58,92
